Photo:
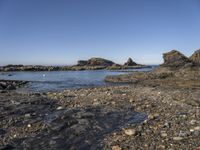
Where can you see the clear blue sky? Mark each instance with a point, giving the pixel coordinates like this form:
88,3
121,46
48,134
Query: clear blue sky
59,32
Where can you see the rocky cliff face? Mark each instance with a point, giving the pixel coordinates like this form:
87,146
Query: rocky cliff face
130,62
175,59
196,57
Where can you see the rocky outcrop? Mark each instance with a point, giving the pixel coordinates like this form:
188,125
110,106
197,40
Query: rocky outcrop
130,62
82,63
99,62
175,59
95,62
11,85
195,58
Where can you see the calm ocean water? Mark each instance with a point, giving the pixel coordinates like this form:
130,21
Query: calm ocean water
60,80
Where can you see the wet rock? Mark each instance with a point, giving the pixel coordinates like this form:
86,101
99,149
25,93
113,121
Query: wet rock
7,147
2,131
3,84
11,87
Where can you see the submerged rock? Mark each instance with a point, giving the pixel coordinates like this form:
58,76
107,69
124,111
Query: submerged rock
175,59
196,57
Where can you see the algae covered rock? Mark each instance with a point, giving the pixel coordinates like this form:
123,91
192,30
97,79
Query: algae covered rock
175,59
196,57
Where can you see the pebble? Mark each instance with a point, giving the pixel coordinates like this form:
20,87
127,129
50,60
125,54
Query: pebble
192,122
130,132
153,116
27,115
183,134
196,133
197,128
167,125
59,108
177,138
116,147
164,134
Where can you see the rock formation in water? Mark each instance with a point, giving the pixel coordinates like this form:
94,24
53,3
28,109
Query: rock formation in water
95,62
82,63
175,59
99,62
130,62
195,58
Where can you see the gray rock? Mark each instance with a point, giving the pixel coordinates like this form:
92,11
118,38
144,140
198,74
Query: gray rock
11,87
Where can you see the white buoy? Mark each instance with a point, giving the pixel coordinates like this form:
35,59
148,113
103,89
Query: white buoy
44,75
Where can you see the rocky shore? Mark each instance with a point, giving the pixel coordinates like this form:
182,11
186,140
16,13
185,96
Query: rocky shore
7,85
91,64
156,110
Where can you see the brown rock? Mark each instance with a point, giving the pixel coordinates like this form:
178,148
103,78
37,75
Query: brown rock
196,57
175,59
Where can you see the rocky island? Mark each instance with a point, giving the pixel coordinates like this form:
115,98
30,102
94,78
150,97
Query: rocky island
155,110
91,64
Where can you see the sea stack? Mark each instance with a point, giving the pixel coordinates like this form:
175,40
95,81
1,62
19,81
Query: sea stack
130,62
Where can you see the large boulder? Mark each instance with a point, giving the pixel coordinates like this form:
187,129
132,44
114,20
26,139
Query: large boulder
99,62
195,58
175,59
130,62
